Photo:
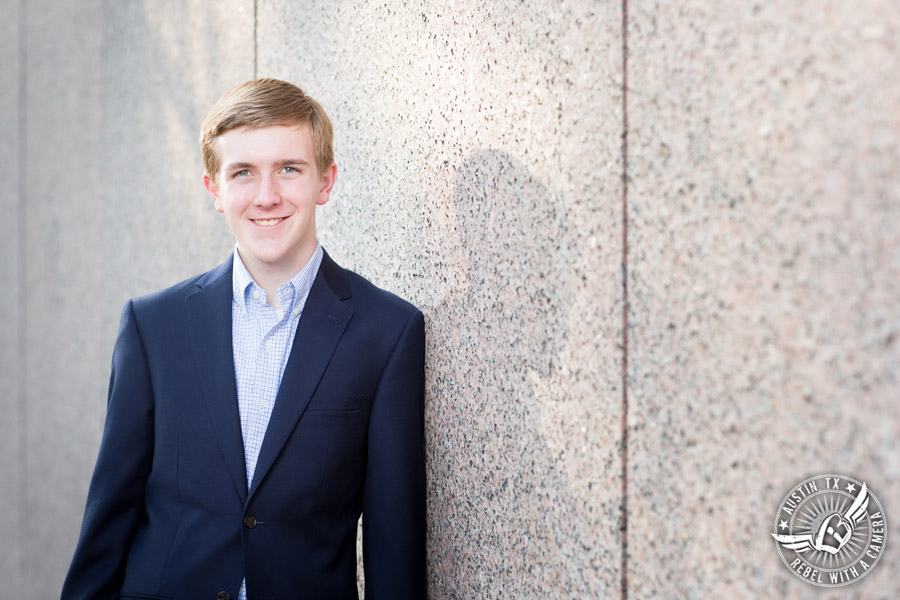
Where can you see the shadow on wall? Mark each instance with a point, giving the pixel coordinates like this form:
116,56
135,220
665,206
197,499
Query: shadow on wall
513,253
505,518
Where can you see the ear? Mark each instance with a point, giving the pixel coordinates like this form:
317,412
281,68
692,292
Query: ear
213,190
328,179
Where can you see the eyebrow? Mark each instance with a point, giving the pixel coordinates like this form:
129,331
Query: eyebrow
291,161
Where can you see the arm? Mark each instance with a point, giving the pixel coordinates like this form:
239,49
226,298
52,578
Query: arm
394,504
115,498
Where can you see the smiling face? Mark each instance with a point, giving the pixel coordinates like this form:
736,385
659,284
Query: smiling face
268,188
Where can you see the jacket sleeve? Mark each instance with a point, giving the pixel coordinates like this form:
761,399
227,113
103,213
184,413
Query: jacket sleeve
394,503
115,499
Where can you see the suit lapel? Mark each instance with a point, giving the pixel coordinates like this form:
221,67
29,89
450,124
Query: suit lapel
209,321
321,326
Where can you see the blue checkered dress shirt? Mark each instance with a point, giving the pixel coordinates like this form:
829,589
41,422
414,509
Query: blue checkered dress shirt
262,340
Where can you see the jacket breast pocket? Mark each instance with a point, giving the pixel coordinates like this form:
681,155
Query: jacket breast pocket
320,403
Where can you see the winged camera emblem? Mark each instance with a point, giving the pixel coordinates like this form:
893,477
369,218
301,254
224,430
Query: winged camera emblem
833,533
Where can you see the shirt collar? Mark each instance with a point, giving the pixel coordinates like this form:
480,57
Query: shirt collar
242,281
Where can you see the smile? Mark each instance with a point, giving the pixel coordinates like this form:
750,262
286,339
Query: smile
268,222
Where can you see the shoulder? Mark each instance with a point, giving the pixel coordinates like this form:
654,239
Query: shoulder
363,295
381,321
368,292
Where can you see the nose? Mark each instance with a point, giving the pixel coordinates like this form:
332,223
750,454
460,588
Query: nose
268,193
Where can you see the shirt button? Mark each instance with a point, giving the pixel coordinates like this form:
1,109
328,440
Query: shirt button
249,521
268,344
295,312
263,404
256,294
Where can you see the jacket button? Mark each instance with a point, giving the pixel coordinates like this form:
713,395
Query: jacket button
249,521
223,596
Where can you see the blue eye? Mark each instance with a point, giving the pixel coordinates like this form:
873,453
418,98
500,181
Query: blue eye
290,170
241,173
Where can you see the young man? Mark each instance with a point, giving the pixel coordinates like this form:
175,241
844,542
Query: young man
256,410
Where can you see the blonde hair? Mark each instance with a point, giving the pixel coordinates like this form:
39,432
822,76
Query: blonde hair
265,102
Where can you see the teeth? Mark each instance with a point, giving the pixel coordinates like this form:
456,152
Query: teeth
266,222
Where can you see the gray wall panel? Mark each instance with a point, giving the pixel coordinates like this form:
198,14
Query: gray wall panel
62,373
116,93
11,360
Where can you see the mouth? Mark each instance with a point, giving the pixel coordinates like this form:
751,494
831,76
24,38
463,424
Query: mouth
268,222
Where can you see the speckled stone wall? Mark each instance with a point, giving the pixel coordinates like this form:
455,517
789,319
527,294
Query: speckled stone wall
752,250
764,282
479,149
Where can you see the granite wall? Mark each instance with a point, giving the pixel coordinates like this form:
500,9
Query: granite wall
763,282
656,244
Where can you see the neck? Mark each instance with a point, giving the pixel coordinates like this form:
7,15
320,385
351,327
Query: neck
271,276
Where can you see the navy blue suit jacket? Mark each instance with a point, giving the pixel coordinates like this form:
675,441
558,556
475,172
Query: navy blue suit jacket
169,514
